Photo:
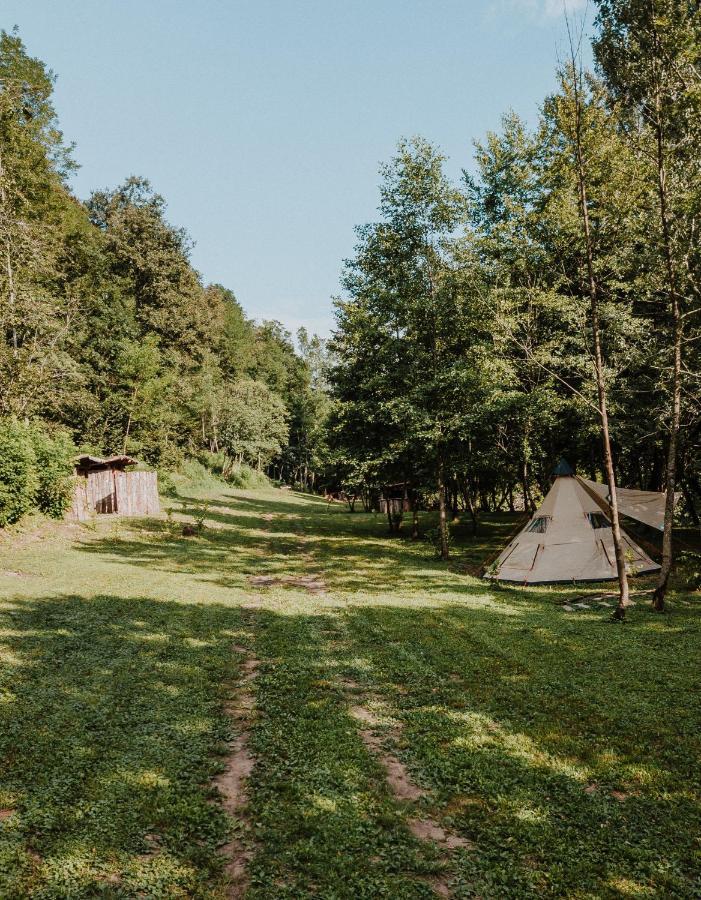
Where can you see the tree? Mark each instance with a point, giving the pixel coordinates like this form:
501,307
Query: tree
648,51
33,201
587,139
253,425
142,396
412,331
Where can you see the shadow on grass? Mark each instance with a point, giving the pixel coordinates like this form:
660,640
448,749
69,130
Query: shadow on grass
110,722
523,728
569,761
298,536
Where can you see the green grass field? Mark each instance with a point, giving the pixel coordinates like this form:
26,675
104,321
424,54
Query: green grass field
560,750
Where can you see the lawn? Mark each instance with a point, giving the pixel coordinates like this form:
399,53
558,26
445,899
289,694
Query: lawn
554,753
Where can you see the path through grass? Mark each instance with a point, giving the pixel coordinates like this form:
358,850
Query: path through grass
560,750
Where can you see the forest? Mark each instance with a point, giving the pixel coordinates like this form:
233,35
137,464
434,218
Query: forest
485,327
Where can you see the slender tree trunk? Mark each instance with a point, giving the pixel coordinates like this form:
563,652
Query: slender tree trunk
454,508
658,598
690,505
131,410
390,520
414,506
528,504
442,512
9,270
623,597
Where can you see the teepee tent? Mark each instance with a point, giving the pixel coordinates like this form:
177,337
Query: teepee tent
568,539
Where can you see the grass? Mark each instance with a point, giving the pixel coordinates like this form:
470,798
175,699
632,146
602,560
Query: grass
564,747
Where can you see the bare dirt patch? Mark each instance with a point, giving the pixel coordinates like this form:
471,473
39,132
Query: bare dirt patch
363,714
403,788
439,886
314,584
5,814
398,777
232,782
428,830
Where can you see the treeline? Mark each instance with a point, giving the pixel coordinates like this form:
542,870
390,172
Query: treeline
109,334
466,339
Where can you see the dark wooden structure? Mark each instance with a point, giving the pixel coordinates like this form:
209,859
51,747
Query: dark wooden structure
396,496
104,486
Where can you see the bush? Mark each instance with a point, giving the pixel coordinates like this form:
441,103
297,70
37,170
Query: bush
54,454
197,477
433,537
18,478
238,475
215,462
246,478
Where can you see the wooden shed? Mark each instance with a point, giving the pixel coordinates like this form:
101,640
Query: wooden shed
104,486
396,496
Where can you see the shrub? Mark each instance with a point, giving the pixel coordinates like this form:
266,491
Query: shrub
54,453
18,478
238,475
246,478
197,474
433,537
215,462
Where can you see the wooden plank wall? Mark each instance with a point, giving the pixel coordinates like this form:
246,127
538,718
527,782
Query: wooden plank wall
126,493
137,493
397,505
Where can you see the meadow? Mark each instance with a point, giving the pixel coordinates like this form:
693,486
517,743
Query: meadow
410,729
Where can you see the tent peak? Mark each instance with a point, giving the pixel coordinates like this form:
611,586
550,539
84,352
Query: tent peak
562,468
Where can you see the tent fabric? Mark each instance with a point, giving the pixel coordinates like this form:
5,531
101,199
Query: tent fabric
568,539
643,506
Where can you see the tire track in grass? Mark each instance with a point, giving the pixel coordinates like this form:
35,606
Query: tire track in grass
325,821
232,783
372,716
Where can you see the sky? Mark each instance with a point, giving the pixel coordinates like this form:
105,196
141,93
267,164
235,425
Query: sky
263,122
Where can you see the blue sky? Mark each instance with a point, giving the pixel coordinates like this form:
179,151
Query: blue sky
263,122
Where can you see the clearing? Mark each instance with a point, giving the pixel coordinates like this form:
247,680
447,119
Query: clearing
293,704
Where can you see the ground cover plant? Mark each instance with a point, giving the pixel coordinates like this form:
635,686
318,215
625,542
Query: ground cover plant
558,750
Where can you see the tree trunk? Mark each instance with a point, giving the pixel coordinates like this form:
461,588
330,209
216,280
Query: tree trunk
658,597
690,505
528,504
128,428
623,596
11,291
390,520
442,512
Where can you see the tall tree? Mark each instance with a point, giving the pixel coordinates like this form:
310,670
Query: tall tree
584,124
650,54
33,202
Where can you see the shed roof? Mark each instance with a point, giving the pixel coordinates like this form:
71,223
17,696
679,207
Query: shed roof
86,461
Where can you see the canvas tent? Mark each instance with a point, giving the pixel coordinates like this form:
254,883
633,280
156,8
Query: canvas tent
569,538
644,506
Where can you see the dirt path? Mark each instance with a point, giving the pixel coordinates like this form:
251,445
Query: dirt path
232,783
375,727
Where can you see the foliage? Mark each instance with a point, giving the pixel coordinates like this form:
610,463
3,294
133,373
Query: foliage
54,454
434,539
18,471
108,330
246,478
253,425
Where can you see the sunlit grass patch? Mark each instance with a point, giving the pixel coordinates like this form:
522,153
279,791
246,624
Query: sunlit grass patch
563,747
